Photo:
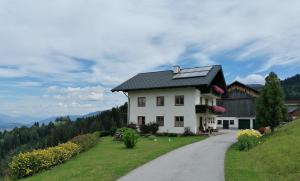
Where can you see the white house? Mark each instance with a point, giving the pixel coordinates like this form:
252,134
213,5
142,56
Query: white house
176,98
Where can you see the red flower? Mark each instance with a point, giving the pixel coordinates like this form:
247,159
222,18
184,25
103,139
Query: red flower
218,109
218,89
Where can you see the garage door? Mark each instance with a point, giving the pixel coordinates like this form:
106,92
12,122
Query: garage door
244,123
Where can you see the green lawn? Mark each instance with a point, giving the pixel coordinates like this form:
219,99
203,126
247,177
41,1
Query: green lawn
109,159
277,158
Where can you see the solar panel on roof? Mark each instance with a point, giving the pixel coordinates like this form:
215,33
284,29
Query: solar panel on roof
193,72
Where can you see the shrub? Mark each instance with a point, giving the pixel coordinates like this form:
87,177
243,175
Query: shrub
105,133
151,128
187,132
130,138
113,131
25,164
167,134
86,141
120,133
247,139
132,126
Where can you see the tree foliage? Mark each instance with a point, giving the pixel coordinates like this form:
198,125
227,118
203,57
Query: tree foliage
270,108
63,129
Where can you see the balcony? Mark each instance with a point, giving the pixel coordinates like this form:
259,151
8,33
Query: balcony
203,109
213,91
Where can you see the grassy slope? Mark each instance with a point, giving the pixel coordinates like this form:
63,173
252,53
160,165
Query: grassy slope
277,158
109,159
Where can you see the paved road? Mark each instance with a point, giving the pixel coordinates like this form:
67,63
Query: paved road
201,161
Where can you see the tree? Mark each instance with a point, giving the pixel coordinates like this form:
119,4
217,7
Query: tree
270,108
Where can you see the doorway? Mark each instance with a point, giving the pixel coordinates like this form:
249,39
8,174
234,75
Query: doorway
225,124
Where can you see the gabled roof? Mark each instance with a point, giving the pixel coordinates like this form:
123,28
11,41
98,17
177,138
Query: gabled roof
242,85
164,79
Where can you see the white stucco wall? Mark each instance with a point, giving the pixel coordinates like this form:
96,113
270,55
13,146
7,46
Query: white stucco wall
236,123
169,110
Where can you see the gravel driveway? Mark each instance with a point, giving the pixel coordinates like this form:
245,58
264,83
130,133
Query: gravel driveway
199,161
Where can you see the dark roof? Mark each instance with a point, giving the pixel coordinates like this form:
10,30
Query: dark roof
243,85
164,79
243,107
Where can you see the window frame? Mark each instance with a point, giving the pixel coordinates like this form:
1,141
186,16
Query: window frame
181,103
163,121
138,102
143,120
181,121
219,122
231,123
163,100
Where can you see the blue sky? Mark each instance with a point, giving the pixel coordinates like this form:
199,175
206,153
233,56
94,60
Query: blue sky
62,57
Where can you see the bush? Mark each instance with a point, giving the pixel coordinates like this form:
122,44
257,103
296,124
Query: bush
25,164
105,133
247,139
151,128
120,133
167,134
130,138
187,132
112,131
86,141
132,126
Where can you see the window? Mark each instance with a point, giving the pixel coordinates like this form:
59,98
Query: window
141,101
206,101
219,121
160,120
231,122
212,102
179,100
141,120
200,100
160,101
179,121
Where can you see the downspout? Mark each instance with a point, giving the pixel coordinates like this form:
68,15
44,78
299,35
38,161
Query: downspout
128,107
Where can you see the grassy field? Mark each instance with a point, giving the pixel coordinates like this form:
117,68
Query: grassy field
277,158
109,159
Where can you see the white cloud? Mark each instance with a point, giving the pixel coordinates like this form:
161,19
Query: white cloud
77,93
127,37
117,39
251,79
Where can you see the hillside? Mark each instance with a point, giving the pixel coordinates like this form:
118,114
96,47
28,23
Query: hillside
109,160
277,158
291,87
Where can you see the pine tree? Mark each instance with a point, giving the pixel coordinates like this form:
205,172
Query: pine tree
270,108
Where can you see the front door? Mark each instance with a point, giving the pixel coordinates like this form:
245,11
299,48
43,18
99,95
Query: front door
225,124
200,124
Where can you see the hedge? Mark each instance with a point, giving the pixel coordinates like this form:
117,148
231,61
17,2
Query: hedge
29,163
86,141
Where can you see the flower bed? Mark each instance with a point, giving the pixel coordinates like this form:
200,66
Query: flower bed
248,139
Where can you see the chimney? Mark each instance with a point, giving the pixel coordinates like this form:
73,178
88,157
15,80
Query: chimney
176,69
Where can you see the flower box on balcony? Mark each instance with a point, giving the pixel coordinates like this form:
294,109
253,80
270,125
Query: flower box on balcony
218,89
217,109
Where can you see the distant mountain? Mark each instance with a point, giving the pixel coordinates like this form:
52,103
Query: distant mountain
257,87
8,122
291,87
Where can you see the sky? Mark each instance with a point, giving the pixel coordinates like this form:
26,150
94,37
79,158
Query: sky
62,57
